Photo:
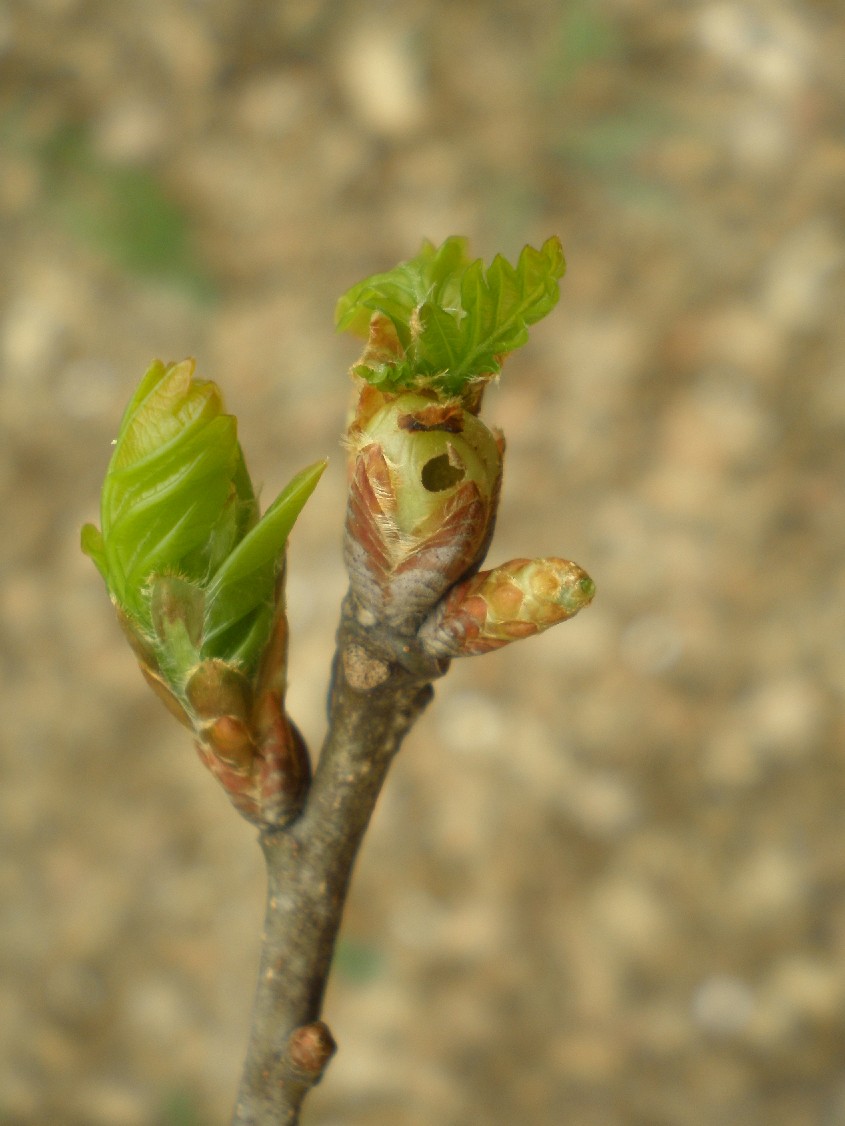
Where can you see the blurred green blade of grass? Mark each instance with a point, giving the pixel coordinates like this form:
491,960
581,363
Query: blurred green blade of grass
604,144
123,212
583,36
614,150
180,1108
358,962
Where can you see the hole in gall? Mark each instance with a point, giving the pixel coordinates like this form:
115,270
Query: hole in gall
439,474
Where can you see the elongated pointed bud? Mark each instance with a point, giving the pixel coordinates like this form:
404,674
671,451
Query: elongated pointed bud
197,580
493,608
424,486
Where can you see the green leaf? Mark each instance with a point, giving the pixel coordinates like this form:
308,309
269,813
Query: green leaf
433,275
123,211
500,305
168,508
243,643
245,580
192,569
91,541
388,376
176,607
440,345
455,319
167,409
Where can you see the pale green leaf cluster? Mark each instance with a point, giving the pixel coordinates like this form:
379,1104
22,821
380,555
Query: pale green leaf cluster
182,549
453,318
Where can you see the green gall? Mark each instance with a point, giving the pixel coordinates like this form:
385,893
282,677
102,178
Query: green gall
424,485
431,450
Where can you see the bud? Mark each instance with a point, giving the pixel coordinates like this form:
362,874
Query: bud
425,478
196,577
518,599
426,472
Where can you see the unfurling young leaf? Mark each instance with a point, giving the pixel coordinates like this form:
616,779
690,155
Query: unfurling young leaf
197,581
183,552
452,321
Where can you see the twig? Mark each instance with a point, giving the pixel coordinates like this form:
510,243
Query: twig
373,704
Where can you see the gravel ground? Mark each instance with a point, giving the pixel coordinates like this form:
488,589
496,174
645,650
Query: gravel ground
604,885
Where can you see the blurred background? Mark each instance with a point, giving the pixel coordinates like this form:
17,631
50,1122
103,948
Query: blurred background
605,883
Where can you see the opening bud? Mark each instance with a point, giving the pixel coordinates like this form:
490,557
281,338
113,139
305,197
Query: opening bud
194,572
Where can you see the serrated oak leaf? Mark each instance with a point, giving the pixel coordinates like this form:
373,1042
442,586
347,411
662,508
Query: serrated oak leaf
454,319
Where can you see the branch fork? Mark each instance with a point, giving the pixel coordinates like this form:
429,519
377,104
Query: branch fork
197,579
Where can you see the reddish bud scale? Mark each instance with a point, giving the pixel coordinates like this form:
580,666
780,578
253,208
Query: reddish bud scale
230,739
265,782
516,600
244,736
165,695
238,783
